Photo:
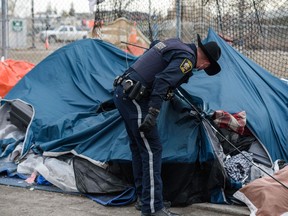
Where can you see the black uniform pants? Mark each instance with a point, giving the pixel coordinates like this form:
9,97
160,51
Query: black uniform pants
146,151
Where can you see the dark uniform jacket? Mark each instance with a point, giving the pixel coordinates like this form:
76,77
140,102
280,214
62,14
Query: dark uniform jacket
165,67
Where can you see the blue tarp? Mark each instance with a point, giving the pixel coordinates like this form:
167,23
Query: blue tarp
68,86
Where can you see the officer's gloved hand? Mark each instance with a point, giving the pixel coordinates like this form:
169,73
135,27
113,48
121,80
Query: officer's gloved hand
150,120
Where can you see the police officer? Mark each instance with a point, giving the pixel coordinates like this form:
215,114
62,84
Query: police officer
138,96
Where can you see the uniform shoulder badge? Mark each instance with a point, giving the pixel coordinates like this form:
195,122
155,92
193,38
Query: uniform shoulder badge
186,66
160,46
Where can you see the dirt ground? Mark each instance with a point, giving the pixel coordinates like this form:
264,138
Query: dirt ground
16,201
22,201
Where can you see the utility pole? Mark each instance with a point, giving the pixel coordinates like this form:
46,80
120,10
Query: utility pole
4,27
33,27
178,19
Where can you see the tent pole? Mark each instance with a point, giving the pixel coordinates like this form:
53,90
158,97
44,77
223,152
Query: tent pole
202,116
134,45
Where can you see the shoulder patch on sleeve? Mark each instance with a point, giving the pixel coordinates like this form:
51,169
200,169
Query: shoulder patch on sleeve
186,66
160,46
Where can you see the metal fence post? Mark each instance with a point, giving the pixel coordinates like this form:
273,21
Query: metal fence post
178,19
4,28
33,24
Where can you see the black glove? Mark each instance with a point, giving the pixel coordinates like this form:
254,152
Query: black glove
150,120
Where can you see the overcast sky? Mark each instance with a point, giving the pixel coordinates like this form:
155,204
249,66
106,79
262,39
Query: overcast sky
23,7
60,5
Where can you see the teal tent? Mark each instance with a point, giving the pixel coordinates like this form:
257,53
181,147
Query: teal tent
68,88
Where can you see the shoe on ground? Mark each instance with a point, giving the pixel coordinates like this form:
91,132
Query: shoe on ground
162,212
138,204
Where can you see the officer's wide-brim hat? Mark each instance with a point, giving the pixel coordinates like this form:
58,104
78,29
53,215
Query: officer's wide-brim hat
213,53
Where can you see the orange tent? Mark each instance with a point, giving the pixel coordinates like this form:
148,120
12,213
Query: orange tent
11,71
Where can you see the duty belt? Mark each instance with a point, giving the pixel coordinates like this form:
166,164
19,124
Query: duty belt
134,89
127,85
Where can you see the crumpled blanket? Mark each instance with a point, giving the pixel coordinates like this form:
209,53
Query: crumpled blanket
238,166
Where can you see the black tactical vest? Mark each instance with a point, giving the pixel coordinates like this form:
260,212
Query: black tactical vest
152,62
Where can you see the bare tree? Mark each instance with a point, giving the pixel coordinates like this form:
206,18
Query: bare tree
49,8
119,7
11,7
72,10
55,10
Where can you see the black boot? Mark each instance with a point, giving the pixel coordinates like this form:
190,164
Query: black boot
162,212
138,204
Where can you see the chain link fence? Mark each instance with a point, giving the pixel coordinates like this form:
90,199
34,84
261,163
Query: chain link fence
256,28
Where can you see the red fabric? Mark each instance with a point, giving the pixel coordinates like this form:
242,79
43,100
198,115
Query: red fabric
235,122
11,71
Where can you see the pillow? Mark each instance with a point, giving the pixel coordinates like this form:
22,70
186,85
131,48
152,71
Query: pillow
265,196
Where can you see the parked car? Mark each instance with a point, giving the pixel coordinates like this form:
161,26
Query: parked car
63,33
